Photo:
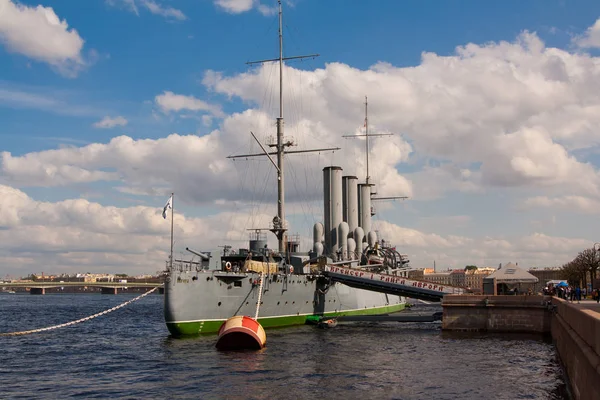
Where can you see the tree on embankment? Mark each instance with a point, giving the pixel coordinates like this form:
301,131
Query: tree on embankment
581,268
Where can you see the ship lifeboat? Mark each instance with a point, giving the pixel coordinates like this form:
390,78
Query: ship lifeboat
241,333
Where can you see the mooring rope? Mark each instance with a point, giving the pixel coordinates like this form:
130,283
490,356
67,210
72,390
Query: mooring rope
49,328
262,280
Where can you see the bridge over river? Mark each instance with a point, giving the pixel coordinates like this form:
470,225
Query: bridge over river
105,287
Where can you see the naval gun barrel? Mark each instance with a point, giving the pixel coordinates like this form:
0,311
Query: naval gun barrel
201,255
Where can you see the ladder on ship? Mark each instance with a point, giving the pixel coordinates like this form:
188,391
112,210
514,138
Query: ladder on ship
389,284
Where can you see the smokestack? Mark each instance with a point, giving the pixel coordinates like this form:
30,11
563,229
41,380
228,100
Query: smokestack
350,201
332,190
364,207
343,239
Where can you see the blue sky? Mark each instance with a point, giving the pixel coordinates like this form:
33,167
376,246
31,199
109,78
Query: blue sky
496,143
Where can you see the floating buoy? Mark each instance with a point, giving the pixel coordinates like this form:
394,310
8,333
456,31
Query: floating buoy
327,323
241,333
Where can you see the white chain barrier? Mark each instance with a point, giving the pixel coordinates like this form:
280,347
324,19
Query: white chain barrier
49,328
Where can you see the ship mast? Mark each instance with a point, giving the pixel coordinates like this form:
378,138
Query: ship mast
279,221
279,227
367,135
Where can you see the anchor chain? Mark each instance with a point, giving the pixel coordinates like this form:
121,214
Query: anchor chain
49,328
260,292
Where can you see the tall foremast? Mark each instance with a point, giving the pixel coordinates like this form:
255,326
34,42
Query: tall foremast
278,227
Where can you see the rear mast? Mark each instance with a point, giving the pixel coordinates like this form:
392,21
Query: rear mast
368,135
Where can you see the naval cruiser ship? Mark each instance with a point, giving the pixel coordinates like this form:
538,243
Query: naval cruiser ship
286,281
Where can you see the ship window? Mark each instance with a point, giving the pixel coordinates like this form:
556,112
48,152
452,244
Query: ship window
219,304
237,283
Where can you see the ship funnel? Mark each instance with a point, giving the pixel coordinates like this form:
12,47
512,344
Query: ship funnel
332,190
350,201
364,207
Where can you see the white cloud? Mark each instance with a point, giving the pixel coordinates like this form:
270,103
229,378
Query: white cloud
127,4
108,122
569,203
77,234
207,120
241,6
235,6
38,33
150,5
591,37
45,99
501,119
266,10
515,111
168,12
169,101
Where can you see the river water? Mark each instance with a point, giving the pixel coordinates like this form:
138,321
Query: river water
129,354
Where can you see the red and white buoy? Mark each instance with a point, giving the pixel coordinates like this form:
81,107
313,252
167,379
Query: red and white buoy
241,332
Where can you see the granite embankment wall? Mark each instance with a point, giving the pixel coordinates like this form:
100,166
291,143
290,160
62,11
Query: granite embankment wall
496,313
576,334
575,330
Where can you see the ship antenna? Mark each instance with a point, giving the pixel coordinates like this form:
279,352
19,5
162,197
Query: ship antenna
367,136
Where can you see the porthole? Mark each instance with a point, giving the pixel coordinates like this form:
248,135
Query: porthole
219,304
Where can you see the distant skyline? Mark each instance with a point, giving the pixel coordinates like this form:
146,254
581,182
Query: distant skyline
108,107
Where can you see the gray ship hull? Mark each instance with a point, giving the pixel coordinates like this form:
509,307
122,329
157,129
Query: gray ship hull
198,302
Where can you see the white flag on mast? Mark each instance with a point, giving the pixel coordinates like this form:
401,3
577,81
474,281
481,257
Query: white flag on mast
167,206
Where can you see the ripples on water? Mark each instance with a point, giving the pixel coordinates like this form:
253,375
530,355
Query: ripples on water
129,354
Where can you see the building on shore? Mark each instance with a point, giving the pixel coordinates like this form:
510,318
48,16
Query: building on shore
544,275
470,279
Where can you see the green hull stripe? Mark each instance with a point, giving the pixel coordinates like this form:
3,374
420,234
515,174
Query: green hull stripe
208,327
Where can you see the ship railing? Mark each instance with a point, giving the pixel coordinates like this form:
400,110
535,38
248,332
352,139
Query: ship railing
185,266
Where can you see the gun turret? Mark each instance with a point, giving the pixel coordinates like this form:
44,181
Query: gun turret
201,255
